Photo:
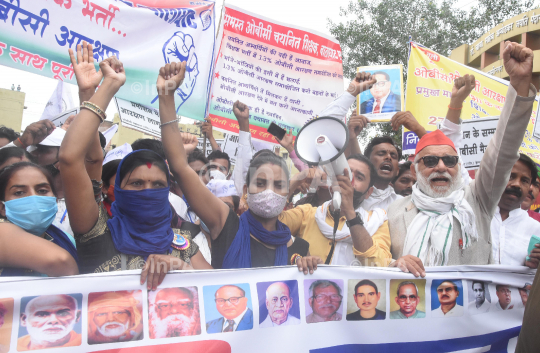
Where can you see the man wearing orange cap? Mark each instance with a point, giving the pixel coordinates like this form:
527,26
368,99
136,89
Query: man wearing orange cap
113,317
444,222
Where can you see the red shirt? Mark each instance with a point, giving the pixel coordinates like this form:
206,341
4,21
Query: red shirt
534,215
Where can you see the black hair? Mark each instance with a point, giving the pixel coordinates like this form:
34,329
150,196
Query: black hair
142,157
365,282
109,169
259,152
7,173
217,154
372,170
456,288
149,144
377,141
14,151
8,133
197,155
523,158
480,283
102,139
311,199
381,73
500,285
236,202
403,168
266,158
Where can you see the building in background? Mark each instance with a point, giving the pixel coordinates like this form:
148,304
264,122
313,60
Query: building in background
485,53
11,108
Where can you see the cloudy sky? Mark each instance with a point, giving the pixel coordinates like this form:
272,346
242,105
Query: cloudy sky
310,14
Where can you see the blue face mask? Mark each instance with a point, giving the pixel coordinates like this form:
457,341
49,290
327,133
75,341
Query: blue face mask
32,213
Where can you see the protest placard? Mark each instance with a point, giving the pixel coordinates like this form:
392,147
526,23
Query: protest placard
476,136
60,119
209,145
139,117
285,74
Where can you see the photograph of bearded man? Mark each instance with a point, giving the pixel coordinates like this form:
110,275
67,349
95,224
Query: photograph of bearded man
115,317
50,321
228,308
173,312
323,300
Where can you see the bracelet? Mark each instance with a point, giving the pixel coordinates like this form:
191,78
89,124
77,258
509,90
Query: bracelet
449,107
19,139
94,108
295,258
168,122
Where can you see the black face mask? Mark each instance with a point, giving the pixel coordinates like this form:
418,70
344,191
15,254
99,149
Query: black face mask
358,198
52,169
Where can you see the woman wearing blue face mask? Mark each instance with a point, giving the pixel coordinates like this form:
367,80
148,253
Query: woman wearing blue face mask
257,238
139,231
30,244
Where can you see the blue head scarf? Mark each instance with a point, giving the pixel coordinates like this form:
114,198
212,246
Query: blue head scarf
141,223
239,253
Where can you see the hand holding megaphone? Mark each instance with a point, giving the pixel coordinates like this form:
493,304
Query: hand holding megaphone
345,187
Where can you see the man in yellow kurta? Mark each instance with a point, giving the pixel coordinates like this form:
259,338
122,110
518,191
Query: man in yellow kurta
362,238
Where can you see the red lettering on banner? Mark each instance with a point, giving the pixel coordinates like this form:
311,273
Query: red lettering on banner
27,58
2,47
58,69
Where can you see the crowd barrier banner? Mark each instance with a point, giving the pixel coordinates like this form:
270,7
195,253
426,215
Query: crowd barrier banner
430,78
35,36
285,74
271,309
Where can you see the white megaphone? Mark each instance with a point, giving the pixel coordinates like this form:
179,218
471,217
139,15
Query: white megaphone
323,141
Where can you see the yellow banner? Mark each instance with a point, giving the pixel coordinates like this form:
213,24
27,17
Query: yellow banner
430,79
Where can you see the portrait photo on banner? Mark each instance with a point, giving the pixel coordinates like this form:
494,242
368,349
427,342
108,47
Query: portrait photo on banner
228,308
323,300
446,298
407,299
6,322
115,317
50,321
278,303
506,297
366,299
478,297
174,312
385,97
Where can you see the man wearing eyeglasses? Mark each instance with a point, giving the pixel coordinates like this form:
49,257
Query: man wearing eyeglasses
384,100
279,303
448,293
407,298
325,300
231,302
505,298
445,222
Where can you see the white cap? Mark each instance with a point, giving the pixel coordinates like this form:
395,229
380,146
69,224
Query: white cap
55,138
222,188
118,153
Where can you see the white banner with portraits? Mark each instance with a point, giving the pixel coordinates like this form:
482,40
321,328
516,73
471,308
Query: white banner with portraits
336,309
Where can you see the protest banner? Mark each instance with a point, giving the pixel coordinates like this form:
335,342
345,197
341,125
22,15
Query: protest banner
35,36
284,73
476,136
430,78
139,117
61,118
277,307
209,145
384,98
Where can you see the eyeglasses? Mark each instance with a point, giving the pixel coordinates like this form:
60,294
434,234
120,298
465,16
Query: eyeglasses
321,298
432,161
447,290
284,300
404,297
380,83
232,300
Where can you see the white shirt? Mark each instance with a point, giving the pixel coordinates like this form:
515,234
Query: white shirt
510,239
381,199
236,321
383,99
498,306
339,107
484,308
291,320
243,160
457,310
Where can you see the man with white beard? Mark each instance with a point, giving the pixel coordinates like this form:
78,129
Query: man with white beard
443,222
113,317
173,313
49,320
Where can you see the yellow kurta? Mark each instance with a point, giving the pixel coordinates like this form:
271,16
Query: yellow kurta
301,222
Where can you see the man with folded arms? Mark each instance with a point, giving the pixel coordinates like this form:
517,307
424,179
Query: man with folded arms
462,213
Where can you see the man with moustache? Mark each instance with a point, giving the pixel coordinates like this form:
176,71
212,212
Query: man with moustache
505,298
530,199
366,297
448,293
49,320
405,180
462,213
231,302
524,294
511,226
172,313
407,298
278,304
480,305
324,299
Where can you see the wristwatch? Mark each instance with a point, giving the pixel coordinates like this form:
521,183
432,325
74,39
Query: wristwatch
356,220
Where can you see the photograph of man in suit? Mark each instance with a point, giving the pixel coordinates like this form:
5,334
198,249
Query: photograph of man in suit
366,296
384,100
231,302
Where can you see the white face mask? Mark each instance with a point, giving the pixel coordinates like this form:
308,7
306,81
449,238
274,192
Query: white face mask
217,175
266,204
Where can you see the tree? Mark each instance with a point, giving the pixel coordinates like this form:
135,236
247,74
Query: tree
375,32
